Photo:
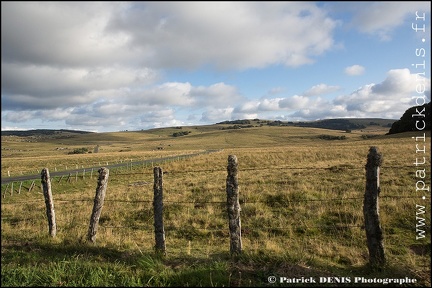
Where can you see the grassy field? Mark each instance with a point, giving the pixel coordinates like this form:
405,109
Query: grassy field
301,199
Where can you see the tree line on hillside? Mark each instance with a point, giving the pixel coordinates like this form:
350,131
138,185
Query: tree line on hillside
408,120
24,133
241,122
182,133
333,124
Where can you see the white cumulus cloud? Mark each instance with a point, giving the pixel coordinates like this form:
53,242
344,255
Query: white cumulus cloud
320,89
354,70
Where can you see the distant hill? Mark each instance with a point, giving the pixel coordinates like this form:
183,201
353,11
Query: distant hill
344,124
408,123
41,132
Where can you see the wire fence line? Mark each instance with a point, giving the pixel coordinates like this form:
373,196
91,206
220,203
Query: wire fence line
128,163
82,176
121,167
245,227
219,203
142,183
239,201
215,202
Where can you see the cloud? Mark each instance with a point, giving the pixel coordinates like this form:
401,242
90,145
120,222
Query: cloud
38,87
354,70
154,107
169,93
227,35
294,102
321,89
88,120
326,110
17,117
159,35
247,107
119,107
215,95
269,104
217,115
275,90
391,97
94,65
61,34
84,61
381,18
387,99
159,118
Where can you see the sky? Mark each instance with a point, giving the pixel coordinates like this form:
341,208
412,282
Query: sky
116,66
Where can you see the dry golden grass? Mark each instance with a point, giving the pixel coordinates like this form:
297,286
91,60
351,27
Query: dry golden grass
301,198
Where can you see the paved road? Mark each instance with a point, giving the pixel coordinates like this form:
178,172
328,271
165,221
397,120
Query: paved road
6,180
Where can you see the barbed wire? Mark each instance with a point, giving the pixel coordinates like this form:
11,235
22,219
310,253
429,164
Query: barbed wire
242,201
336,167
246,229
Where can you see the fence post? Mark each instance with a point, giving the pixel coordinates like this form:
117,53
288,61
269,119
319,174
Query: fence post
49,203
31,186
98,203
371,208
4,194
233,205
158,210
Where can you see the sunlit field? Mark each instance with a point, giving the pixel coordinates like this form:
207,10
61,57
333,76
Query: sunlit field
301,199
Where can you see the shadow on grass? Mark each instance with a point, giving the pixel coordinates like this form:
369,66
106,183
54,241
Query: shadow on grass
250,269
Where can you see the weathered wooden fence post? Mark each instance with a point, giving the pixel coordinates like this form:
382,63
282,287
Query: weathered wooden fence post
31,186
49,203
371,208
4,194
98,203
158,210
233,205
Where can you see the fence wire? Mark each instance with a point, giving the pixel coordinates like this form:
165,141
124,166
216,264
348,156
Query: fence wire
243,202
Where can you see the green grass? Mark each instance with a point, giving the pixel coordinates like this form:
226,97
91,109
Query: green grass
301,199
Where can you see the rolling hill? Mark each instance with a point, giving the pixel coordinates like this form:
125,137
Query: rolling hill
333,124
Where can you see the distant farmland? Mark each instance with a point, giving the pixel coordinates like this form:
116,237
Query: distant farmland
301,193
